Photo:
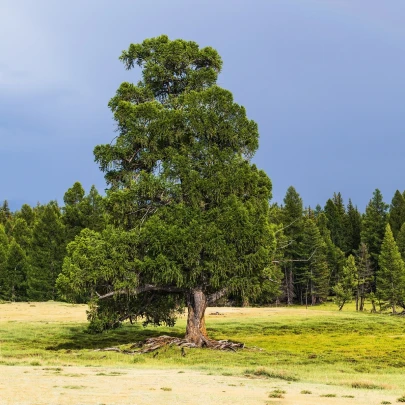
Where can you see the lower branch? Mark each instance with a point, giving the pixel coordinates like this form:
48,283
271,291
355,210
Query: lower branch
139,290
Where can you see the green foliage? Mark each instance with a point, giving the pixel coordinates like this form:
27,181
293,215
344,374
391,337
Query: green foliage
401,241
5,216
334,256
189,209
16,269
27,214
292,221
363,276
391,275
47,252
4,245
352,228
373,227
313,272
82,211
397,213
335,214
344,288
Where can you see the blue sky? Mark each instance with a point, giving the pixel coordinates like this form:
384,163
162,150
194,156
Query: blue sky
324,79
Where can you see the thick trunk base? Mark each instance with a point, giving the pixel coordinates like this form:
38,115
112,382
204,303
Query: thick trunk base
196,332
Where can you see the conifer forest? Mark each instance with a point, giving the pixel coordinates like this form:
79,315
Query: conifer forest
330,251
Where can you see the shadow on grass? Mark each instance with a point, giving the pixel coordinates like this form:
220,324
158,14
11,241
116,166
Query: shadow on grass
77,337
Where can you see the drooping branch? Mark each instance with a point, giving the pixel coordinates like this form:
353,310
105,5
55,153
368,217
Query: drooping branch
211,299
139,290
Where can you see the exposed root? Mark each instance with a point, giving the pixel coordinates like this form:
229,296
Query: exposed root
152,344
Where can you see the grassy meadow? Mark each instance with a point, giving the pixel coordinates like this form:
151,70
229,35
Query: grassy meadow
318,344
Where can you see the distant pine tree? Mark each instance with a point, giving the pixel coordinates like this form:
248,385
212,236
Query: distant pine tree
312,280
335,257
16,272
3,262
397,213
391,274
48,251
373,228
364,277
335,213
401,241
344,288
292,219
352,228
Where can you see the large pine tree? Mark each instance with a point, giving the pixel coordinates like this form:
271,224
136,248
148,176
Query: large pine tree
190,211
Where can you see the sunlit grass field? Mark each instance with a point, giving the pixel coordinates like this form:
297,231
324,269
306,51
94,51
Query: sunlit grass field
318,344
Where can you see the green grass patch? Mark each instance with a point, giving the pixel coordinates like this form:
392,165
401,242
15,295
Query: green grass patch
320,345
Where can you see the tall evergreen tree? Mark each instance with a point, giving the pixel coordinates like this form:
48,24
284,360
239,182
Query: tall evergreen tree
373,227
16,270
391,274
72,215
5,216
312,274
335,213
93,211
352,227
3,262
397,213
27,214
335,257
292,219
48,251
318,210
401,241
344,288
22,234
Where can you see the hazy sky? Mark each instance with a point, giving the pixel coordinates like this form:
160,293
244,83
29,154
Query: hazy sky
324,79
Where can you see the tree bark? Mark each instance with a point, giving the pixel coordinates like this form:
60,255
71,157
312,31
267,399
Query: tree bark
196,331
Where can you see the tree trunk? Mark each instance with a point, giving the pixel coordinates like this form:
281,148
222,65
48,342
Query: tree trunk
196,332
362,300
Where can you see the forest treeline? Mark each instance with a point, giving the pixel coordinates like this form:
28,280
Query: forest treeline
328,251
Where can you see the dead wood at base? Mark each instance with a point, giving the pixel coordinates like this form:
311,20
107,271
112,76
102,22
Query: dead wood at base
152,344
